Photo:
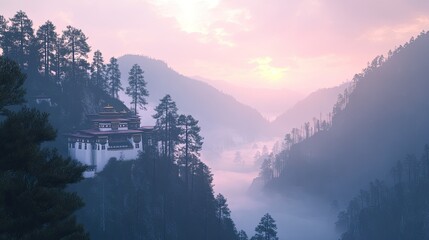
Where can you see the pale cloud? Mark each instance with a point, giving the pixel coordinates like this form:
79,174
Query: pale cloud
205,17
266,71
399,31
299,43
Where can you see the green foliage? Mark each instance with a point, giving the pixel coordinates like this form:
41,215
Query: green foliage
11,83
33,200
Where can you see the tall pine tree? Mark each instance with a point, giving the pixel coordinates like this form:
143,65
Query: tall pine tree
190,140
76,51
166,130
113,75
137,87
46,41
19,39
3,29
266,229
98,71
33,200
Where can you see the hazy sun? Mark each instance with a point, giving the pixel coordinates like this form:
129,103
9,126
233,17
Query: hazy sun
266,71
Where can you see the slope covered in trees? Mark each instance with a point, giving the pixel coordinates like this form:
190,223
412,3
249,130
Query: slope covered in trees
33,178
315,106
60,79
395,209
377,121
222,118
167,193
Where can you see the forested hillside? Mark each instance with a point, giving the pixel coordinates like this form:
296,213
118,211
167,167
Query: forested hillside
381,117
392,209
316,106
225,121
165,193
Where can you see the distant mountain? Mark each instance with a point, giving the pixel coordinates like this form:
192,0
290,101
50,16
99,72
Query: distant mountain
269,102
316,105
224,121
386,118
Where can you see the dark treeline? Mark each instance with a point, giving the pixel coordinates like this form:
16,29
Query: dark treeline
391,211
33,178
380,116
58,68
61,58
167,193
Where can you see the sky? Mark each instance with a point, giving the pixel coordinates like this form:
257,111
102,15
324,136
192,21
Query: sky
301,45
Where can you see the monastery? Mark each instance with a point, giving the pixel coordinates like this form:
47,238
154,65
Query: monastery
112,135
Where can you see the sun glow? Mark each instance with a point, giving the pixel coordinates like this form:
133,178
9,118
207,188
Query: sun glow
266,71
191,15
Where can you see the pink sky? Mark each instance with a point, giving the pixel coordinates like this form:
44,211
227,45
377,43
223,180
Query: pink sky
296,44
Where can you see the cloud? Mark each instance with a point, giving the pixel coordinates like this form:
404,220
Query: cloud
266,70
399,31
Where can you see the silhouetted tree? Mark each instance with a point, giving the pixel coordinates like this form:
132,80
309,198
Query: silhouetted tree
113,75
242,235
3,30
33,200
266,229
137,87
76,51
19,39
98,71
166,130
11,83
46,42
191,141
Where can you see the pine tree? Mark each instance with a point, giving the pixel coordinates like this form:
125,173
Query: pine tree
19,39
59,63
222,208
191,141
242,235
114,77
46,41
137,87
76,51
266,229
33,200
166,130
3,30
98,71
11,81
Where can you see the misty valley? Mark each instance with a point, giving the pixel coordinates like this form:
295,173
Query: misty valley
97,147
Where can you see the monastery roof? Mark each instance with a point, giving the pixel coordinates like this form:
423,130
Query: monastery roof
115,132
111,119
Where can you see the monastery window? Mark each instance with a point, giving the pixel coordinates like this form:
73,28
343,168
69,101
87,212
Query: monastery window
85,146
103,147
98,146
137,145
80,145
73,145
